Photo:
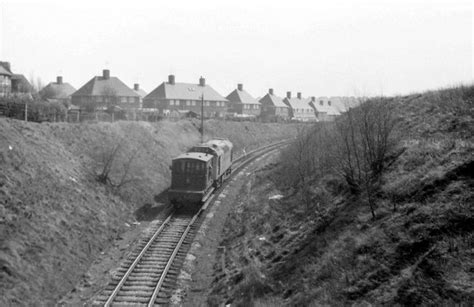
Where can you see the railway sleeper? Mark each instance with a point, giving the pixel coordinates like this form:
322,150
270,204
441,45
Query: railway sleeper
153,261
152,264
160,242
139,275
131,299
145,287
146,270
143,283
165,247
135,293
134,284
143,278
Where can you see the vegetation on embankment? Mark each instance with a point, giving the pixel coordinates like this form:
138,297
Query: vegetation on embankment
57,212
347,225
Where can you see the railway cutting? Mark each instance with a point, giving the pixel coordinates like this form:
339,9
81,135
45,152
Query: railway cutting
148,276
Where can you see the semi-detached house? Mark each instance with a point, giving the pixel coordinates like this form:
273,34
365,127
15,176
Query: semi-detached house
273,107
243,103
300,108
104,91
172,96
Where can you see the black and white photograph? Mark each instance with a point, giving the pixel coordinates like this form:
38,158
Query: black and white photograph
249,153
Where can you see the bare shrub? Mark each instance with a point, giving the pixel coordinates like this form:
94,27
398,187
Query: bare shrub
357,148
115,166
309,156
365,139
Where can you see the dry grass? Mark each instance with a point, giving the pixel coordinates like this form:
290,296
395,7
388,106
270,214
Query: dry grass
418,251
55,217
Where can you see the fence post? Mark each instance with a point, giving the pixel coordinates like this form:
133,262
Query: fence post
26,112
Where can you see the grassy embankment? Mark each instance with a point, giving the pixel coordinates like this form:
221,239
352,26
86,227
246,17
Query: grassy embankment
320,243
55,217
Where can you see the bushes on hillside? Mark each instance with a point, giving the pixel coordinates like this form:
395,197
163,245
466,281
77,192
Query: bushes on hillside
356,148
35,110
115,165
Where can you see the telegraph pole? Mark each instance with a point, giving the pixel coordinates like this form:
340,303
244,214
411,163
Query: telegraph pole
202,118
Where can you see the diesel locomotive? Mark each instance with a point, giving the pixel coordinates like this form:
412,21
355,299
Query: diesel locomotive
195,174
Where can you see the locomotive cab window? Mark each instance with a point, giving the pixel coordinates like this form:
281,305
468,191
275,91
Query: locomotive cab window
189,167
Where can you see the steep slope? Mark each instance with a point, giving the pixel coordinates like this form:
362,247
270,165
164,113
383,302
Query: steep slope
55,217
293,246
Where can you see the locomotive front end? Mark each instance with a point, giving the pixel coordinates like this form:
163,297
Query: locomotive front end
191,179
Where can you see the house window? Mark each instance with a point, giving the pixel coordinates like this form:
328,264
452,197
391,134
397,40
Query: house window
188,103
124,99
193,103
171,102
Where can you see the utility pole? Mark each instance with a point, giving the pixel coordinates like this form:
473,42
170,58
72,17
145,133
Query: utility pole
202,118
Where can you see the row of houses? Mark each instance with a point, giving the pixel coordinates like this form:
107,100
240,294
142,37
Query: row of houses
172,98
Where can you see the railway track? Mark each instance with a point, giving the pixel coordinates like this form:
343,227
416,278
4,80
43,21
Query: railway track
148,276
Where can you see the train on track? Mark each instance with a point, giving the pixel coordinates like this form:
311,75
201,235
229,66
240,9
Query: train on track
197,173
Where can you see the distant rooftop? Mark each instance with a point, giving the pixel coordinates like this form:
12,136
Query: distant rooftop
105,85
185,91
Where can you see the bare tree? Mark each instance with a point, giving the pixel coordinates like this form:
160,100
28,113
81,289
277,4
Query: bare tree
310,156
47,93
365,140
115,167
109,96
37,85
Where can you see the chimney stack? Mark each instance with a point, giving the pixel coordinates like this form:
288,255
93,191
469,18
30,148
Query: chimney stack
59,80
288,95
240,87
171,79
202,81
270,91
298,95
106,74
6,65
136,86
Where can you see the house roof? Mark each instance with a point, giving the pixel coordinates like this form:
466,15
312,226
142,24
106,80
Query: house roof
23,85
241,96
140,92
58,90
184,91
4,71
274,100
342,104
297,103
100,86
333,109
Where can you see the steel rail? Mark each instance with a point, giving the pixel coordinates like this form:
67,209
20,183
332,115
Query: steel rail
238,163
134,264
173,256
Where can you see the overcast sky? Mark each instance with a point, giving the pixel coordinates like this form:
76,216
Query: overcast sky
320,48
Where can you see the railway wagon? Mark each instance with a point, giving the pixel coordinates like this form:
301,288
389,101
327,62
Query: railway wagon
195,174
